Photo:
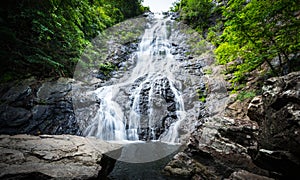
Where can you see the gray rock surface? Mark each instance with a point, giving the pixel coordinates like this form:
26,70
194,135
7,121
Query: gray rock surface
186,167
34,106
218,146
277,113
245,175
54,156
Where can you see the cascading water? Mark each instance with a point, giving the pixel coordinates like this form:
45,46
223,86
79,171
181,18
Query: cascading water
156,105
150,105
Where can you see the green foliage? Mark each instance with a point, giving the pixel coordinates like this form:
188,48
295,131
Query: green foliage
243,95
208,71
257,32
214,33
47,38
248,34
200,14
196,12
202,95
202,99
129,8
107,67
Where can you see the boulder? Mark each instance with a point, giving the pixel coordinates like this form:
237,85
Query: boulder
277,113
221,145
54,157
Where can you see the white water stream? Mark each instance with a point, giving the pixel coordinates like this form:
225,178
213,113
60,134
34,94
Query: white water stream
154,67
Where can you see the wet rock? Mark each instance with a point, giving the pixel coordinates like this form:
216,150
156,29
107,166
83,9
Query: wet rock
172,107
17,92
221,146
53,91
220,143
13,116
156,99
119,57
54,157
34,107
193,68
175,15
277,114
167,121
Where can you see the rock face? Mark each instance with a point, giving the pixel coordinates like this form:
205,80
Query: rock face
187,168
37,107
277,112
54,156
163,104
264,145
218,146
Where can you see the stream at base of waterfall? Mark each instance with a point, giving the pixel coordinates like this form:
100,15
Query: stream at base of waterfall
145,109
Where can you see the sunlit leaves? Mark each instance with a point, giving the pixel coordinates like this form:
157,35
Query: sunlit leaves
258,31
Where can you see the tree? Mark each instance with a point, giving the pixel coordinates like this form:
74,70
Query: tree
195,12
258,32
46,38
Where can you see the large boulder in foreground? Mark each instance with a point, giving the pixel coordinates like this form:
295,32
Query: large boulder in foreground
54,156
277,113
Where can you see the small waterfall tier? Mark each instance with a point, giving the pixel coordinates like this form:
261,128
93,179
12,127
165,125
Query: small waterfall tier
146,104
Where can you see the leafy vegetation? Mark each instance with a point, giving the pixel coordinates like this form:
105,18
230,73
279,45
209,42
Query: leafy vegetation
202,95
207,71
196,13
248,34
243,95
260,32
107,67
46,38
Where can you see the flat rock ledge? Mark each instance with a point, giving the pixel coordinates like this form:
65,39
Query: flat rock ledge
54,157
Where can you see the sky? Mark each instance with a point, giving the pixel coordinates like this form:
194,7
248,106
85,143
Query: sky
159,5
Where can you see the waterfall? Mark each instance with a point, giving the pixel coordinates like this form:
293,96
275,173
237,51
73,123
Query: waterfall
152,106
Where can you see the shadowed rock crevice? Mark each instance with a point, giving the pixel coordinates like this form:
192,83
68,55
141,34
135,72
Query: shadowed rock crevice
277,114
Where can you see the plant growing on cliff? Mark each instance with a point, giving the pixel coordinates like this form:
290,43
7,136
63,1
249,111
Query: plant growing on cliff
195,12
257,32
243,95
107,67
202,95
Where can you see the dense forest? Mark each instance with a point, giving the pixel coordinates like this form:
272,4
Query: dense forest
46,38
248,34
